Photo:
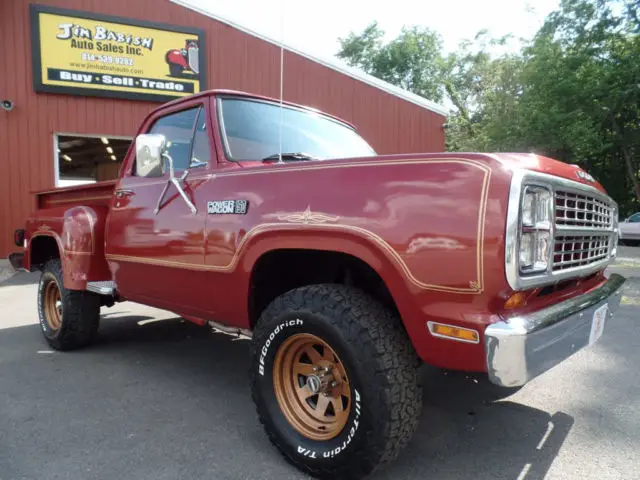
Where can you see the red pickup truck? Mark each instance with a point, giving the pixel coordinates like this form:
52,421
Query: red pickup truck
346,268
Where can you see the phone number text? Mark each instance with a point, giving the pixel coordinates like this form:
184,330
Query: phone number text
90,57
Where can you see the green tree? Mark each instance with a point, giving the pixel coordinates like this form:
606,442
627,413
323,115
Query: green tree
411,61
572,93
582,92
484,92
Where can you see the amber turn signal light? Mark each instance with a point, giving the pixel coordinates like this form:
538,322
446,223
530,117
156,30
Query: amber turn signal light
516,300
453,333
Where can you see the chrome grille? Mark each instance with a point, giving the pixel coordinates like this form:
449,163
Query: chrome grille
575,251
584,227
580,238
582,210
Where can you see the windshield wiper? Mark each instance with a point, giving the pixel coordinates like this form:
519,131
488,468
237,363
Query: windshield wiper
290,156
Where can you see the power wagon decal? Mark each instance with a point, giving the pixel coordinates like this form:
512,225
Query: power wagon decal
238,207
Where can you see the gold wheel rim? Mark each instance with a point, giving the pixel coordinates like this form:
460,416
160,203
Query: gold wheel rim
53,305
312,387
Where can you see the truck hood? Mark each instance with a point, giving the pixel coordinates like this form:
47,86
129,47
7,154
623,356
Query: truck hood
528,161
542,164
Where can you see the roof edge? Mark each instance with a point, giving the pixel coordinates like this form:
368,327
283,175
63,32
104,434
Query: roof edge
332,64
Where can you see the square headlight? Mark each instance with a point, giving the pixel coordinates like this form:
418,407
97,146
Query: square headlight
536,207
526,251
535,234
534,251
528,208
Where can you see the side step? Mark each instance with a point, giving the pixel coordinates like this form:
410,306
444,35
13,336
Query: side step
107,287
231,331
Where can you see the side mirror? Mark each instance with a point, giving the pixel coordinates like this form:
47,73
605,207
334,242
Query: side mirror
150,150
151,158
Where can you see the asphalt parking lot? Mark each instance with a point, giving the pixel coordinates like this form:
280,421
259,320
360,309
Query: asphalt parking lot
159,398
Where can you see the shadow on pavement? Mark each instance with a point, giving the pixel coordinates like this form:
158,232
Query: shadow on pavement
465,432
20,278
168,396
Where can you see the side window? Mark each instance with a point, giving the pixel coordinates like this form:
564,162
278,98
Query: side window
178,130
635,218
201,154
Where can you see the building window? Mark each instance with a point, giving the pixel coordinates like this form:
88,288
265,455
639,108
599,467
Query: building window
88,159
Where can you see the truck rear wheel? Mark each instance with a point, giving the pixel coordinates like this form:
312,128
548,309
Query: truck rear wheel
69,319
335,380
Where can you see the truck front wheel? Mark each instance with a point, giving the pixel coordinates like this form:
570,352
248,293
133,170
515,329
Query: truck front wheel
335,380
69,319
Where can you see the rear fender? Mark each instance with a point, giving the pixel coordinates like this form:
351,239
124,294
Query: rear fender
80,239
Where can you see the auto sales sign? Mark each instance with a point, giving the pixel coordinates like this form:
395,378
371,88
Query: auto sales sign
83,53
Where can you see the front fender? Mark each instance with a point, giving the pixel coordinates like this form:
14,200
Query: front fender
353,241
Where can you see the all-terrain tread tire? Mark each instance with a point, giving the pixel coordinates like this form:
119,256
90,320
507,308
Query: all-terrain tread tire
387,364
81,312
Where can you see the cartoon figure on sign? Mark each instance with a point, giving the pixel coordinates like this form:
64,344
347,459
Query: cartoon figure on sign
183,59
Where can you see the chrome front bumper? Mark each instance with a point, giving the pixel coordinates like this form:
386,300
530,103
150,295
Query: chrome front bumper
521,348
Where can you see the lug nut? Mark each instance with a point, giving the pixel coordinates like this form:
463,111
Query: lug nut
334,384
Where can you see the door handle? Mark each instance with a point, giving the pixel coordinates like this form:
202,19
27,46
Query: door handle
124,193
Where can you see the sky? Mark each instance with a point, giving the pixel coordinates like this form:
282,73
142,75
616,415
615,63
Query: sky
314,27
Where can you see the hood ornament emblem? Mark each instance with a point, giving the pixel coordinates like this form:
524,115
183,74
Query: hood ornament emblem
585,176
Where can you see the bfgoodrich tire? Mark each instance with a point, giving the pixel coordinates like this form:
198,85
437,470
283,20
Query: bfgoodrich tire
335,380
69,319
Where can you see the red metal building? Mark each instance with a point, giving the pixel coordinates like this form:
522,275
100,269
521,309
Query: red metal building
45,129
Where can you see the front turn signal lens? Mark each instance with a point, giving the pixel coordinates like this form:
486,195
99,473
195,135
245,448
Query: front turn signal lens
453,333
516,300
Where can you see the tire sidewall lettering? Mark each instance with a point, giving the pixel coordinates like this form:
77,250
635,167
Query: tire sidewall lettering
41,317
47,277
264,351
346,442
352,428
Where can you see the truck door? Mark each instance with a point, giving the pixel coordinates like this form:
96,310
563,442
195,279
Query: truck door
156,248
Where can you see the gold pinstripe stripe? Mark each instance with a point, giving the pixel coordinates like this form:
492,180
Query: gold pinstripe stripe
475,286
380,163
44,229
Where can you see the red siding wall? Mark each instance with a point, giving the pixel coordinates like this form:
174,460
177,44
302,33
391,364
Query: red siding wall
235,60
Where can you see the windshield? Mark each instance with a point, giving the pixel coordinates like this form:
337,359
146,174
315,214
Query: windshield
251,131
